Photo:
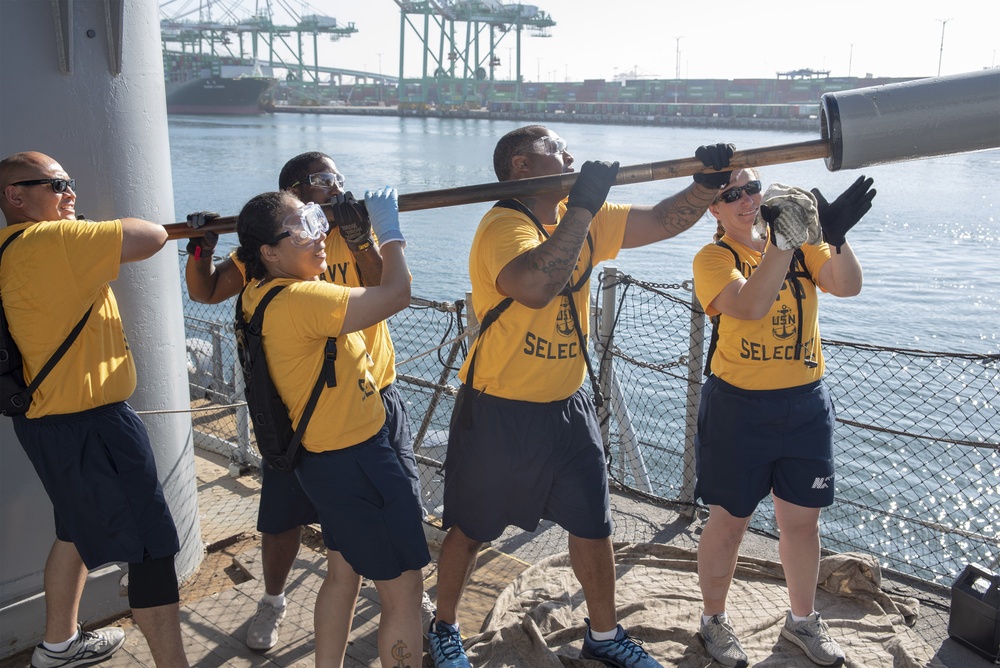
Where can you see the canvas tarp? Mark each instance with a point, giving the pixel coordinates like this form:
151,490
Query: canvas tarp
537,621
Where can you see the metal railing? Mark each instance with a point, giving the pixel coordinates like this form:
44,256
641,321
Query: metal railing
918,444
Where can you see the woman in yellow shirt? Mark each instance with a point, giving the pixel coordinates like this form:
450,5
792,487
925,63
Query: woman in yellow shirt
765,423
371,521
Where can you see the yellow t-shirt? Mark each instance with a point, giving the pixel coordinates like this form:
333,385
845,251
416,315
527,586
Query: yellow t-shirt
49,276
760,354
342,270
297,323
533,354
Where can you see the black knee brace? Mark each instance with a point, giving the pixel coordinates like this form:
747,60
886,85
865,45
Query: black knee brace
152,583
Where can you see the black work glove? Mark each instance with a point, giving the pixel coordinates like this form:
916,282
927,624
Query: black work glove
717,157
203,246
591,188
838,217
770,214
351,218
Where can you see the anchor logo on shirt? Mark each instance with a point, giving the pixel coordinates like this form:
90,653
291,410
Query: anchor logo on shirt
564,321
783,325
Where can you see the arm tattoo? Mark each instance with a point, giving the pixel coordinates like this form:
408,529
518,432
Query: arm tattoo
679,212
556,258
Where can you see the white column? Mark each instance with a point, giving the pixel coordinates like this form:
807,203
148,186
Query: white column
83,82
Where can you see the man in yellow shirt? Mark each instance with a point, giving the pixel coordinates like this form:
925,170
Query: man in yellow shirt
88,446
524,442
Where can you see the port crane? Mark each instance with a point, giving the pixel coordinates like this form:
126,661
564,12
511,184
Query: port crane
256,38
445,55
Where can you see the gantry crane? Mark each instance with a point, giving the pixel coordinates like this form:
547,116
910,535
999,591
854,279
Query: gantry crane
447,58
264,38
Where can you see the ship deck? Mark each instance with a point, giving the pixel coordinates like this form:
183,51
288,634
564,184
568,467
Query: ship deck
218,601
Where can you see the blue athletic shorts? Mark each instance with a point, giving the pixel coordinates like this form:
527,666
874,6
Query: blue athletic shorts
98,470
400,436
751,442
284,505
366,507
518,462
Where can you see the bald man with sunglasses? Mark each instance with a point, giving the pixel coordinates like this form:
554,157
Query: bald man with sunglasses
353,260
79,415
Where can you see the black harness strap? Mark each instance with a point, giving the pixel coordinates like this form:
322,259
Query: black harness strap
567,292
796,270
327,373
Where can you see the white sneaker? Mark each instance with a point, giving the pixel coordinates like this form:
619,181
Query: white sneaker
262,633
89,647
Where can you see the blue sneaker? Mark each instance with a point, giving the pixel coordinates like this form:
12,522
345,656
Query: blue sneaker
622,652
446,646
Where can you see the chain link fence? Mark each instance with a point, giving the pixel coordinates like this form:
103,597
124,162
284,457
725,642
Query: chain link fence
918,445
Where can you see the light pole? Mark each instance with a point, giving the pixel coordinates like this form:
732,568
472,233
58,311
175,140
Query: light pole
677,67
944,22
381,83
850,60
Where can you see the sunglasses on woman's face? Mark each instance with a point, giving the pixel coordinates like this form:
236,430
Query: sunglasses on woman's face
733,194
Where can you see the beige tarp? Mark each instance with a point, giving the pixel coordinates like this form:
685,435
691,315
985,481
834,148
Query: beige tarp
537,621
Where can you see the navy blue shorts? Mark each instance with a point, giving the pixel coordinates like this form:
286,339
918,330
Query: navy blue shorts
366,507
753,442
400,436
98,470
284,505
518,462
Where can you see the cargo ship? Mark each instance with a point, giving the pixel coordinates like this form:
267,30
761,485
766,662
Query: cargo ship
198,84
218,95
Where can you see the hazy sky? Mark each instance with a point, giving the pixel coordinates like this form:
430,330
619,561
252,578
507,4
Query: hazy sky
719,40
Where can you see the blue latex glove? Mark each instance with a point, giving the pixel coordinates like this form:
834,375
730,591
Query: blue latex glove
383,209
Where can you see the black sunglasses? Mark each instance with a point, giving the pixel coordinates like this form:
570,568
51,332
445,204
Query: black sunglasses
58,185
733,194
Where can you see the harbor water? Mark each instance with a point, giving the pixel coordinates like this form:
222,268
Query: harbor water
929,248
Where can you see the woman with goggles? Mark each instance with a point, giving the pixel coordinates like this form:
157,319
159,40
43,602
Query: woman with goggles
765,360
370,518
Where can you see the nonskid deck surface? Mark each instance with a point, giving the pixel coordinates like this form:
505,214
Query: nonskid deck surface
218,602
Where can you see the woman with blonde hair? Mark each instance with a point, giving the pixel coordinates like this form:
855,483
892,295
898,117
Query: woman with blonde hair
765,423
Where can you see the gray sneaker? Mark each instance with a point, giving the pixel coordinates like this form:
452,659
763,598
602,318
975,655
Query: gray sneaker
813,636
89,647
262,633
721,642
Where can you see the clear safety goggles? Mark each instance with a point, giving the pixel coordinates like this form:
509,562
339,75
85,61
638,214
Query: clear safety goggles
324,180
307,225
551,145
